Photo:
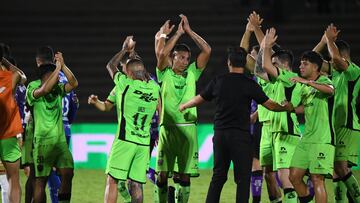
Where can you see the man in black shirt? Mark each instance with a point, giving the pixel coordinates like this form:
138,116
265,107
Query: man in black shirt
232,141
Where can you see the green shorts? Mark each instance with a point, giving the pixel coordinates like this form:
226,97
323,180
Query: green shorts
317,158
347,146
266,145
128,160
48,155
178,143
284,148
9,150
26,151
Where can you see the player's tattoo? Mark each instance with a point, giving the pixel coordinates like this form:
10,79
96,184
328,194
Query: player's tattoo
258,64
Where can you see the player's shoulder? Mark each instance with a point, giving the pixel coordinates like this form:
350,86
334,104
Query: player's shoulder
324,79
34,83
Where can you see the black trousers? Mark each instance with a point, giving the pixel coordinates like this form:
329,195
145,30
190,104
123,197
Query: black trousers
236,146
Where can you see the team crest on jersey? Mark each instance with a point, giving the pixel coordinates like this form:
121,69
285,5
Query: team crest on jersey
148,97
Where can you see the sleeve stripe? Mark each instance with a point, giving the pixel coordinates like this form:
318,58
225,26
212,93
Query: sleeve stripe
109,101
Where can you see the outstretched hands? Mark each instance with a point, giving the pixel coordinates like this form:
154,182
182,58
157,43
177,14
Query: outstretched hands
331,33
270,37
92,99
129,44
166,28
59,60
183,27
255,20
186,25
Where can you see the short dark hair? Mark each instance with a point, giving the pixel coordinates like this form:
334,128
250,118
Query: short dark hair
284,56
343,46
181,47
127,56
237,56
313,57
138,73
134,61
46,54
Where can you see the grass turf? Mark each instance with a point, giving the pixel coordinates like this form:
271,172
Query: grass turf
89,185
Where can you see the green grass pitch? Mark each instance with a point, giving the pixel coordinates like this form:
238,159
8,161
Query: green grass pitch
89,185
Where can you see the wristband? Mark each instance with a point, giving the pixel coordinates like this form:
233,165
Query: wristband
163,36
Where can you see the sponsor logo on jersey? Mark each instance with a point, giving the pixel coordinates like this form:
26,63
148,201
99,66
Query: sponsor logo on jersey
148,97
283,150
321,155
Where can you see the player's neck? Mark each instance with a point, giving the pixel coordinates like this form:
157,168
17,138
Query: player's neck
313,76
236,70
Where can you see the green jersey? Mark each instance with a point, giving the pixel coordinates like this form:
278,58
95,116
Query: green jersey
285,90
47,112
317,122
177,89
263,113
136,103
347,85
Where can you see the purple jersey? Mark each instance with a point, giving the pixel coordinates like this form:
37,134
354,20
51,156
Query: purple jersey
20,100
69,103
253,109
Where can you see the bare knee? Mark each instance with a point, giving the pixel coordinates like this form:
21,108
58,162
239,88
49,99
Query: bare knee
66,174
162,178
341,168
136,192
269,174
295,178
317,180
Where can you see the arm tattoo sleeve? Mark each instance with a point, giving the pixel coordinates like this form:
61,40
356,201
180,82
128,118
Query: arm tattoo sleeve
258,64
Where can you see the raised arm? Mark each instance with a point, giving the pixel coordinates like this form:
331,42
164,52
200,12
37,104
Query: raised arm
258,69
203,58
127,48
163,58
164,31
49,84
331,34
321,45
100,105
195,101
245,40
269,41
256,21
244,43
325,68
72,81
19,76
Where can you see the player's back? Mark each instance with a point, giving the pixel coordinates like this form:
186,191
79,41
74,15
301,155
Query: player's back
136,102
10,116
